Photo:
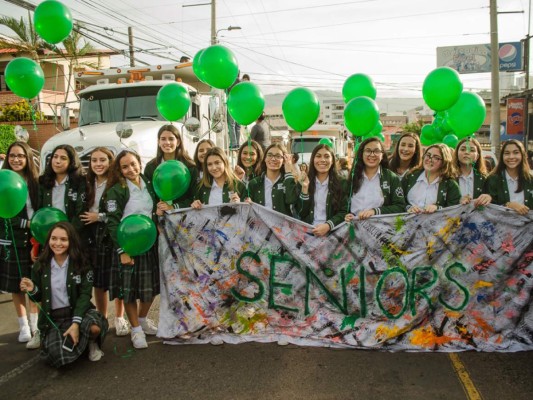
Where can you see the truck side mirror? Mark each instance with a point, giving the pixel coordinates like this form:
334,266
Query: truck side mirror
124,130
64,117
192,125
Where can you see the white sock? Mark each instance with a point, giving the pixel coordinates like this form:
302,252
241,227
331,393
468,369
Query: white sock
23,321
136,329
33,321
141,320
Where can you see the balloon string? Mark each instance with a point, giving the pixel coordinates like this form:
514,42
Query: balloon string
33,118
355,148
249,152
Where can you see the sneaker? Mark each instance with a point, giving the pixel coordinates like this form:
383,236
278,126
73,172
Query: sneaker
149,327
216,341
95,354
35,341
122,328
25,334
139,340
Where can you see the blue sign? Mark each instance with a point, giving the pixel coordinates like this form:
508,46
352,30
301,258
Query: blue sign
510,57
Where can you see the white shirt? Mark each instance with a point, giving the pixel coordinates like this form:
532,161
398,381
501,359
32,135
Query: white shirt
369,195
98,192
59,284
268,191
58,195
140,201
321,196
423,193
29,208
215,196
512,185
466,184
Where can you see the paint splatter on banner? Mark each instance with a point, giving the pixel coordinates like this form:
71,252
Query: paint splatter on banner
460,279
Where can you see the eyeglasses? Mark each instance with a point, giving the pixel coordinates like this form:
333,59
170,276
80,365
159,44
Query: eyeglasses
375,152
432,157
17,156
275,156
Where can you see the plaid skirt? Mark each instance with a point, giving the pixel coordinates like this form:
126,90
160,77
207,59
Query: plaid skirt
137,282
52,340
10,275
102,259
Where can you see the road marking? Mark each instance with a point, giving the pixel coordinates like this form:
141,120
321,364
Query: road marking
19,370
470,389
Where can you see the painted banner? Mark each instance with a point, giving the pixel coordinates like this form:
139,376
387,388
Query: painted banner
458,279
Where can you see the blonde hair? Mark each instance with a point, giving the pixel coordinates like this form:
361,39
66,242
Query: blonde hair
230,177
447,169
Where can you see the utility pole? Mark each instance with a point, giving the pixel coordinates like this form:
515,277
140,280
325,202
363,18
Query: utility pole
130,39
495,80
213,22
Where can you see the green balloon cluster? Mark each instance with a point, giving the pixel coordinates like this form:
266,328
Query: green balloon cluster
13,193
358,85
467,115
173,101
327,142
245,102
301,109
136,234
217,66
198,71
171,180
442,88
43,220
361,115
53,21
24,77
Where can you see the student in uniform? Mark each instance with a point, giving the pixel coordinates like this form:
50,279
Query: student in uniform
19,159
249,161
99,243
199,156
433,186
62,281
218,185
376,190
472,172
132,278
170,147
407,154
511,183
322,201
275,188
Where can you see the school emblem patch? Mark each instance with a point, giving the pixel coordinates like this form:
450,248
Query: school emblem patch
399,192
111,205
77,279
90,276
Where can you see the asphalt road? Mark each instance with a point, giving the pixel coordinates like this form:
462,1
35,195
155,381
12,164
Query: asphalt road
257,371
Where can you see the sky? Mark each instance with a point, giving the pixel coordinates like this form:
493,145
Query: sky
311,43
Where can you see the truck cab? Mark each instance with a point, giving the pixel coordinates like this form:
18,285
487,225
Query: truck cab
303,143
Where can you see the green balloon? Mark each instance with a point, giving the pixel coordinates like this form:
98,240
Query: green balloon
171,180
427,135
136,234
196,66
442,88
53,21
13,193
358,85
218,67
43,220
450,141
24,77
467,115
361,115
327,142
245,102
300,109
173,101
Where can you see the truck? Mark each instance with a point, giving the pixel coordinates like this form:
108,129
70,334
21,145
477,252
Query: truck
118,110
303,143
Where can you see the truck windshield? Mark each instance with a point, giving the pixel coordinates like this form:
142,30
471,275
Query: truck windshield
119,104
304,145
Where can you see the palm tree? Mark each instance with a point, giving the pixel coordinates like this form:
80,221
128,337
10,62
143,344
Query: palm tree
26,39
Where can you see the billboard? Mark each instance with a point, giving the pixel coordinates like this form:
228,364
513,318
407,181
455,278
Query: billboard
475,58
515,119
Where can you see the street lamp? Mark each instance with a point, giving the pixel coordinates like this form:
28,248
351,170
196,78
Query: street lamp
229,28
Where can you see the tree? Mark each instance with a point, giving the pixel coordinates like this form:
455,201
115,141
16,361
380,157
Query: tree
26,39
414,127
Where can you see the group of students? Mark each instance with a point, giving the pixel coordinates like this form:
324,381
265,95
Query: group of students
71,264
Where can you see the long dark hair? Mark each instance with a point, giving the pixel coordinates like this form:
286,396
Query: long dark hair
257,168
334,185
74,169
524,173
479,165
359,166
196,160
115,174
416,161
283,150
30,172
76,256
91,176
180,153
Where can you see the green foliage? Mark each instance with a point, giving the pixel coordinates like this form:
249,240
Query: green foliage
7,136
19,111
414,127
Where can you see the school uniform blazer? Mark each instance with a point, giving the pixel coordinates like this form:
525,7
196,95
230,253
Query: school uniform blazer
496,186
186,199
448,193
115,200
21,233
73,207
284,192
479,184
203,192
79,290
306,210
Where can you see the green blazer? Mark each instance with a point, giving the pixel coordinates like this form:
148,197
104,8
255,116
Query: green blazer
79,290
203,192
479,184
306,210
496,186
448,194
21,233
391,188
115,200
73,207
284,192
